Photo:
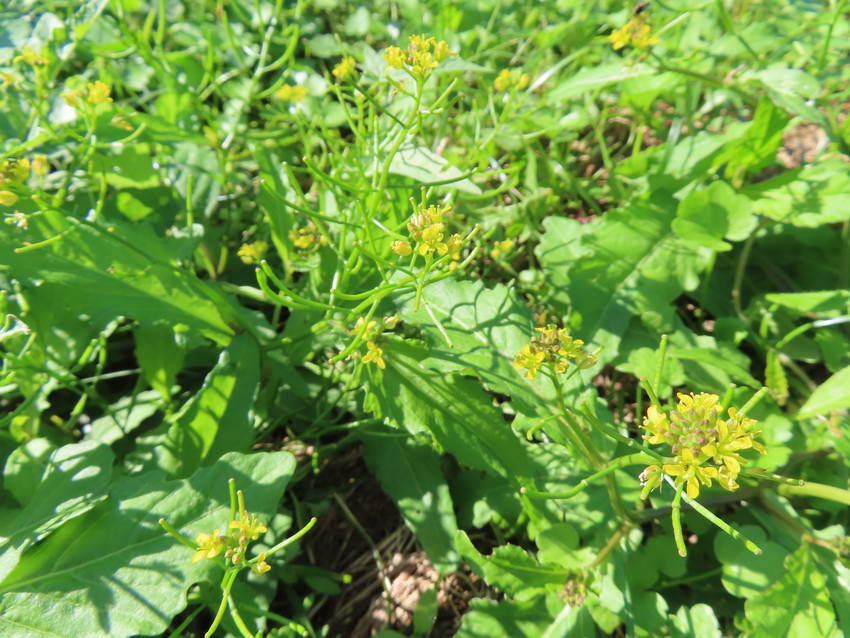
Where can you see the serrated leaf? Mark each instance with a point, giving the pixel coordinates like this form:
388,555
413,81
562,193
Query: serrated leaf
411,475
73,480
455,410
832,394
510,569
114,573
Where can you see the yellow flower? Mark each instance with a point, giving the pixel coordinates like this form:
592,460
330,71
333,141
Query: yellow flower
531,359
637,31
28,56
705,446
402,248
97,92
253,252
291,93
209,545
248,527
365,330
7,198
502,248
345,68
374,355
261,566
40,165
394,57
307,239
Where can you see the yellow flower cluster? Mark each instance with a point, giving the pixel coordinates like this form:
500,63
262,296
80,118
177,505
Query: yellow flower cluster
553,347
422,55
636,31
427,227
234,544
705,446
253,252
510,78
294,93
92,93
307,239
345,69
369,331
502,248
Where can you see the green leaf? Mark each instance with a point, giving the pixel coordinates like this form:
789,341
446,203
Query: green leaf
774,377
832,394
454,409
631,264
744,573
124,416
411,475
106,274
707,216
698,621
815,195
487,328
425,166
757,147
24,468
598,77
114,573
160,356
821,302
73,480
505,619
797,604
510,569
218,418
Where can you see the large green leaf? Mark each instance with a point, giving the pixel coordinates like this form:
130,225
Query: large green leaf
72,481
107,272
832,394
512,570
427,167
627,263
114,572
486,329
815,195
218,418
455,410
796,605
505,619
411,475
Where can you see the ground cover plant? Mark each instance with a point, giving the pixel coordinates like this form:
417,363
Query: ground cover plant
418,318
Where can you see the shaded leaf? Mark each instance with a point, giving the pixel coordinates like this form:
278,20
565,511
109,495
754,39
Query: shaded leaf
114,573
411,475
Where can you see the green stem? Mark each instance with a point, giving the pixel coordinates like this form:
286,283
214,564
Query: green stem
623,461
676,519
817,490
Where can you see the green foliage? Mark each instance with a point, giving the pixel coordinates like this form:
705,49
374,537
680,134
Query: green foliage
477,303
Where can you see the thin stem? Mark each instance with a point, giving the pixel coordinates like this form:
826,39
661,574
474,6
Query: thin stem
623,461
